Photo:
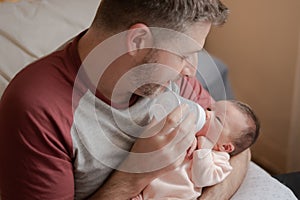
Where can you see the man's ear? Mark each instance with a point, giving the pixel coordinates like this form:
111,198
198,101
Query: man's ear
228,147
139,36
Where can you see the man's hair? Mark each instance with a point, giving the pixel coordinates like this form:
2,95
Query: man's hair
250,134
119,15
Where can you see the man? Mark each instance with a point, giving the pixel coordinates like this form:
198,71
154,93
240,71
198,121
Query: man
62,118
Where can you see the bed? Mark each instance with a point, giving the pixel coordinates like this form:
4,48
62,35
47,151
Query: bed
30,29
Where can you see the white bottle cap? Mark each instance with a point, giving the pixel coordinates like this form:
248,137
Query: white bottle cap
201,117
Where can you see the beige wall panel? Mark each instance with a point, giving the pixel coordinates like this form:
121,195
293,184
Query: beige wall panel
293,162
259,44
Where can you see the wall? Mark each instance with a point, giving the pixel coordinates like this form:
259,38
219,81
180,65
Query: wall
259,44
293,162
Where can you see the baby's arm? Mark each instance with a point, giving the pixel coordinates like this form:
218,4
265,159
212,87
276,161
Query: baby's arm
201,142
209,167
190,151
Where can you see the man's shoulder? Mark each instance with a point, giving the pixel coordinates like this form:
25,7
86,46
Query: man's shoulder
38,101
43,88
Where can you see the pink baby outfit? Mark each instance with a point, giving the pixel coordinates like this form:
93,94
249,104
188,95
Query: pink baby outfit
208,167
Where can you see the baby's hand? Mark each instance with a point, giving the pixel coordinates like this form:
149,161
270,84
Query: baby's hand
204,143
139,197
190,151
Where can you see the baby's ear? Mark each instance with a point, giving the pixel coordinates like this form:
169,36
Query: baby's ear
228,147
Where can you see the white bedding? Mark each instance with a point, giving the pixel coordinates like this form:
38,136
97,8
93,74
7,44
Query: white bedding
259,185
31,29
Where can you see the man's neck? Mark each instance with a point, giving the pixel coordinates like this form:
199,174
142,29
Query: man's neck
104,78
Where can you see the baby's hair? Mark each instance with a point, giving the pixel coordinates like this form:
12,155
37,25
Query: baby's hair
248,135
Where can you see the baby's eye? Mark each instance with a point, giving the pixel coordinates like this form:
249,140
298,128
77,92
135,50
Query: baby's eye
209,109
219,120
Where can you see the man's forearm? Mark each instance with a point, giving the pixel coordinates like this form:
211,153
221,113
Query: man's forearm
169,141
122,185
229,186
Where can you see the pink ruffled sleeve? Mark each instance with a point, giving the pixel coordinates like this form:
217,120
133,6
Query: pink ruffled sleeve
209,167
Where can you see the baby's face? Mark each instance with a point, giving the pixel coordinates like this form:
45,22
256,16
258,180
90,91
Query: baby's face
223,122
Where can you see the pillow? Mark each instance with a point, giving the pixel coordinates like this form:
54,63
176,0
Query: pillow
258,184
30,29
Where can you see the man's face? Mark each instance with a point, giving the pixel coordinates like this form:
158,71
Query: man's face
171,60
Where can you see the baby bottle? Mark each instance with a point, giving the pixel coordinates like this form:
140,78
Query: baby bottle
166,102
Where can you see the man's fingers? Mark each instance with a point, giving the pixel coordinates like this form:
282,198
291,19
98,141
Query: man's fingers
174,119
167,124
182,137
186,128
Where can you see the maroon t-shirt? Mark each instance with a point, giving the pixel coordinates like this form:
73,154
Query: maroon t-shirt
36,117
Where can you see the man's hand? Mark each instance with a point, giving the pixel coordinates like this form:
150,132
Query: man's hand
161,148
225,189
